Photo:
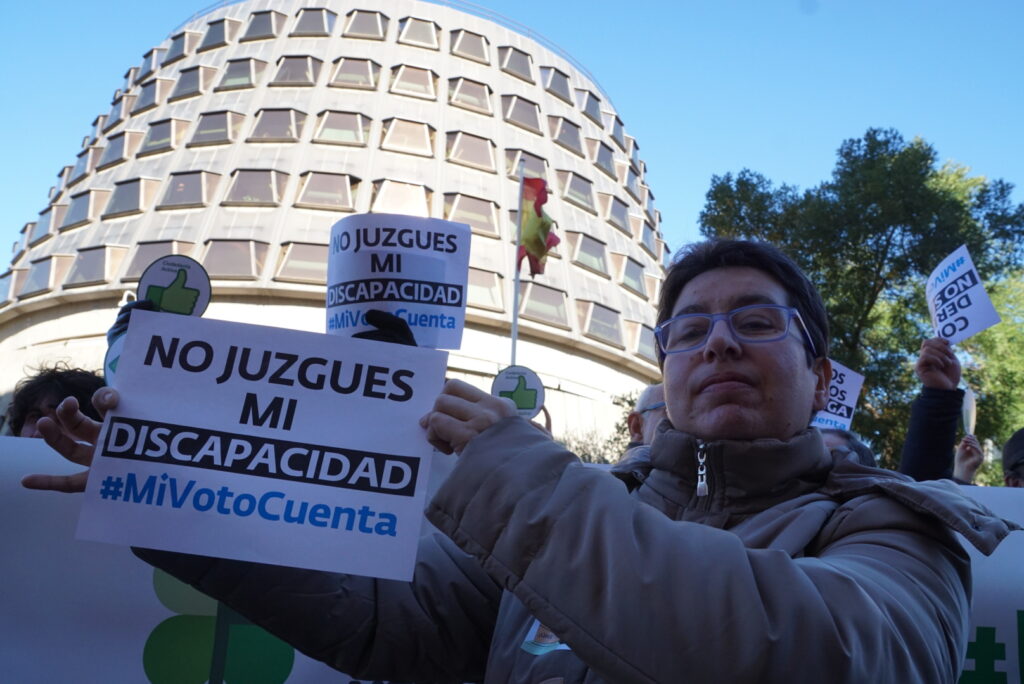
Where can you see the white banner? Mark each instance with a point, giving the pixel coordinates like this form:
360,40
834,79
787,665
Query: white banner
415,268
843,392
263,444
957,301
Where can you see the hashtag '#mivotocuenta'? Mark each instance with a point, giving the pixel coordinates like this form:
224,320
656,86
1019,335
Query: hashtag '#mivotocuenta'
111,487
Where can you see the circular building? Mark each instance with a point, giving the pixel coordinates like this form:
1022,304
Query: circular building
243,136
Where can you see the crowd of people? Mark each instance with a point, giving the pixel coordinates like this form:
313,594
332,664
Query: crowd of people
732,542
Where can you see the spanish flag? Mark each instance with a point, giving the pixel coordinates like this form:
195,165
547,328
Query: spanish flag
536,237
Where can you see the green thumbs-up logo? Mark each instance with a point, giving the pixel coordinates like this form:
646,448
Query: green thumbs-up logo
523,397
174,298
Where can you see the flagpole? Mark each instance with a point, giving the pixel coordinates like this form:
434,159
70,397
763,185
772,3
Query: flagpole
515,261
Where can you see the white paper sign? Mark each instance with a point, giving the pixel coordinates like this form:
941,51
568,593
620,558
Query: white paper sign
415,268
843,392
264,444
957,301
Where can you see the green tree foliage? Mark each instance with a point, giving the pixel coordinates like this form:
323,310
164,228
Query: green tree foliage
869,237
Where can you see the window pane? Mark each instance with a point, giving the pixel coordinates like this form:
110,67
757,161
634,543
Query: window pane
618,134
304,263
126,199
591,105
314,22
38,279
177,48
234,258
577,189
5,286
262,25
329,190
254,187
392,197
186,190
470,45
633,184
147,97
479,214
241,73
158,138
114,152
472,150
188,84
89,267
633,277
407,80
591,254
522,112
618,214
215,36
343,128
556,83
604,324
533,166
145,254
544,303
484,290
515,62
648,240
604,158
215,128
419,32
365,24
78,211
645,343
297,71
278,125
407,136
469,94
566,133
356,73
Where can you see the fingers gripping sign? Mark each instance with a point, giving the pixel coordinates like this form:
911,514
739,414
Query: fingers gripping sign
73,435
461,412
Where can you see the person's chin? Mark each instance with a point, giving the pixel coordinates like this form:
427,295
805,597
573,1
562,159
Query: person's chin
729,421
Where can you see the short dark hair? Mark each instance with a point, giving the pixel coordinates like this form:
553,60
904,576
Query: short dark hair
59,380
1013,451
701,257
860,450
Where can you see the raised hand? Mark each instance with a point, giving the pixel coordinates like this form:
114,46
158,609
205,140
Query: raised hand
461,412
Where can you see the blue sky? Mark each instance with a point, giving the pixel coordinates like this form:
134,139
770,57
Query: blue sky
706,86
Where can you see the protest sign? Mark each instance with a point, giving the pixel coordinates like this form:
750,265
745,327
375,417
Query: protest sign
412,267
260,444
523,387
843,392
957,301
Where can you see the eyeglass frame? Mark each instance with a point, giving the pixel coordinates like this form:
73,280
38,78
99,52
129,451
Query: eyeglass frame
726,316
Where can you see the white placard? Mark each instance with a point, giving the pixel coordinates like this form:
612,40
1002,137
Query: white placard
843,392
263,444
957,301
415,268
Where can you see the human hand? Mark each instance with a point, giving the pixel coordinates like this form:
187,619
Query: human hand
461,412
80,426
937,366
968,459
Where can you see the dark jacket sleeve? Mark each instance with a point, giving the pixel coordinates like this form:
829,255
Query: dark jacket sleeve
436,628
931,434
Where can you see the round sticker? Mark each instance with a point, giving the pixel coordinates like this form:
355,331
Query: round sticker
176,284
110,360
523,387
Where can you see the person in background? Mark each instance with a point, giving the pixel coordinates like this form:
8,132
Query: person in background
1013,460
37,396
645,416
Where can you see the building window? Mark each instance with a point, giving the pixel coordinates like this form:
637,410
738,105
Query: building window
533,166
85,163
189,189
235,259
566,134
314,21
634,154
85,207
645,344
633,277
587,252
603,157
652,213
600,322
297,71
413,81
94,266
590,104
131,197
576,189
470,95
618,134
485,290
365,24
419,32
332,191
264,25
303,263
556,83
256,188
119,148
6,280
411,137
544,304
148,252
241,73
363,74
616,212
216,128
162,136
520,111
342,128
469,45
150,64
219,33
633,185
393,197
277,125
182,46
649,239
470,150
480,214
49,220
43,273
516,62
119,111
152,94
192,82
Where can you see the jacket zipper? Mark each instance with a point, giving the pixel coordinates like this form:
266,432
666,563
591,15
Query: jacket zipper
702,469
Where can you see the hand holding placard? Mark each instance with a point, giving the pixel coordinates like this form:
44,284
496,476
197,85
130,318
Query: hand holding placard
957,300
